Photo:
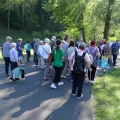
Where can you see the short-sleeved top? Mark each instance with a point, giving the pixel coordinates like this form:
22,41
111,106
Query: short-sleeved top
64,46
58,54
80,53
18,50
94,51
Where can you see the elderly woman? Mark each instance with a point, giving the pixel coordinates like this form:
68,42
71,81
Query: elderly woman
78,78
6,56
46,50
95,53
13,56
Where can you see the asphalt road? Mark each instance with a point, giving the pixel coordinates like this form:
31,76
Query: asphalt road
33,99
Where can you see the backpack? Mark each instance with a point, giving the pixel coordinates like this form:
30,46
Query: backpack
25,47
114,47
106,50
79,64
91,56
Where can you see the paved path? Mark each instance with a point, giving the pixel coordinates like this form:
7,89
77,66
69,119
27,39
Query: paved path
33,99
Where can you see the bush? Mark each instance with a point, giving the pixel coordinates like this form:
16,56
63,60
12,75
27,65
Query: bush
36,34
47,34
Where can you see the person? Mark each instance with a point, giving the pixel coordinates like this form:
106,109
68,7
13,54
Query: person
5,54
27,48
53,42
96,54
115,52
32,46
45,53
35,50
70,50
57,64
39,54
64,46
78,78
79,42
19,50
106,50
13,58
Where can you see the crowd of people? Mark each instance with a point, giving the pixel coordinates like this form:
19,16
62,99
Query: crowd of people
66,56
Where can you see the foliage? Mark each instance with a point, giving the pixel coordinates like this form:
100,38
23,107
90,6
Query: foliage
33,23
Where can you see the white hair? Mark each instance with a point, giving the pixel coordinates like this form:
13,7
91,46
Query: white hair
8,38
37,40
46,40
13,45
53,37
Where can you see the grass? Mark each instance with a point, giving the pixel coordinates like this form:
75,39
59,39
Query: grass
15,34
106,96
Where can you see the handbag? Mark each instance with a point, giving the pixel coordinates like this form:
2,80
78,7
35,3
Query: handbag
50,57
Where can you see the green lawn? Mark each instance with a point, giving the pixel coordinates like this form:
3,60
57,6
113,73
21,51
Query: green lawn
106,96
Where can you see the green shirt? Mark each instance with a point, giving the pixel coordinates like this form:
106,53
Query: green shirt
58,57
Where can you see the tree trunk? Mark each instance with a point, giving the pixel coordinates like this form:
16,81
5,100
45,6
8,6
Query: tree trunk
82,34
108,19
9,15
23,15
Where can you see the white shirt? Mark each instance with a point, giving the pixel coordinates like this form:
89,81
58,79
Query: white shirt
13,55
46,51
110,44
39,52
80,53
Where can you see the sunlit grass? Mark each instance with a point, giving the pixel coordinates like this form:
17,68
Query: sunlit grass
106,96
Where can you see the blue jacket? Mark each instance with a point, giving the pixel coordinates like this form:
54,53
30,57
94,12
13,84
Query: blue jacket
16,72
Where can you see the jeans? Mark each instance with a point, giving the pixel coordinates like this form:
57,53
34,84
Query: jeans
7,62
36,58
28,55
78,80
58,71
114,59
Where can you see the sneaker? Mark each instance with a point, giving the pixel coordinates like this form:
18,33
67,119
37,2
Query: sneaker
73,95
53,86
89,81
60,83
80,96
63,76
68,74
92,81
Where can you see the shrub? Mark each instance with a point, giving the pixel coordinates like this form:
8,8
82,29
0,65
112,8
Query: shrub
36,34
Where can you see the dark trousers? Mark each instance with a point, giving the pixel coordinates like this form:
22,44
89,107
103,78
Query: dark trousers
58,71
28,55
13,65
7,62
78,80
114,59
36,58
92,75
